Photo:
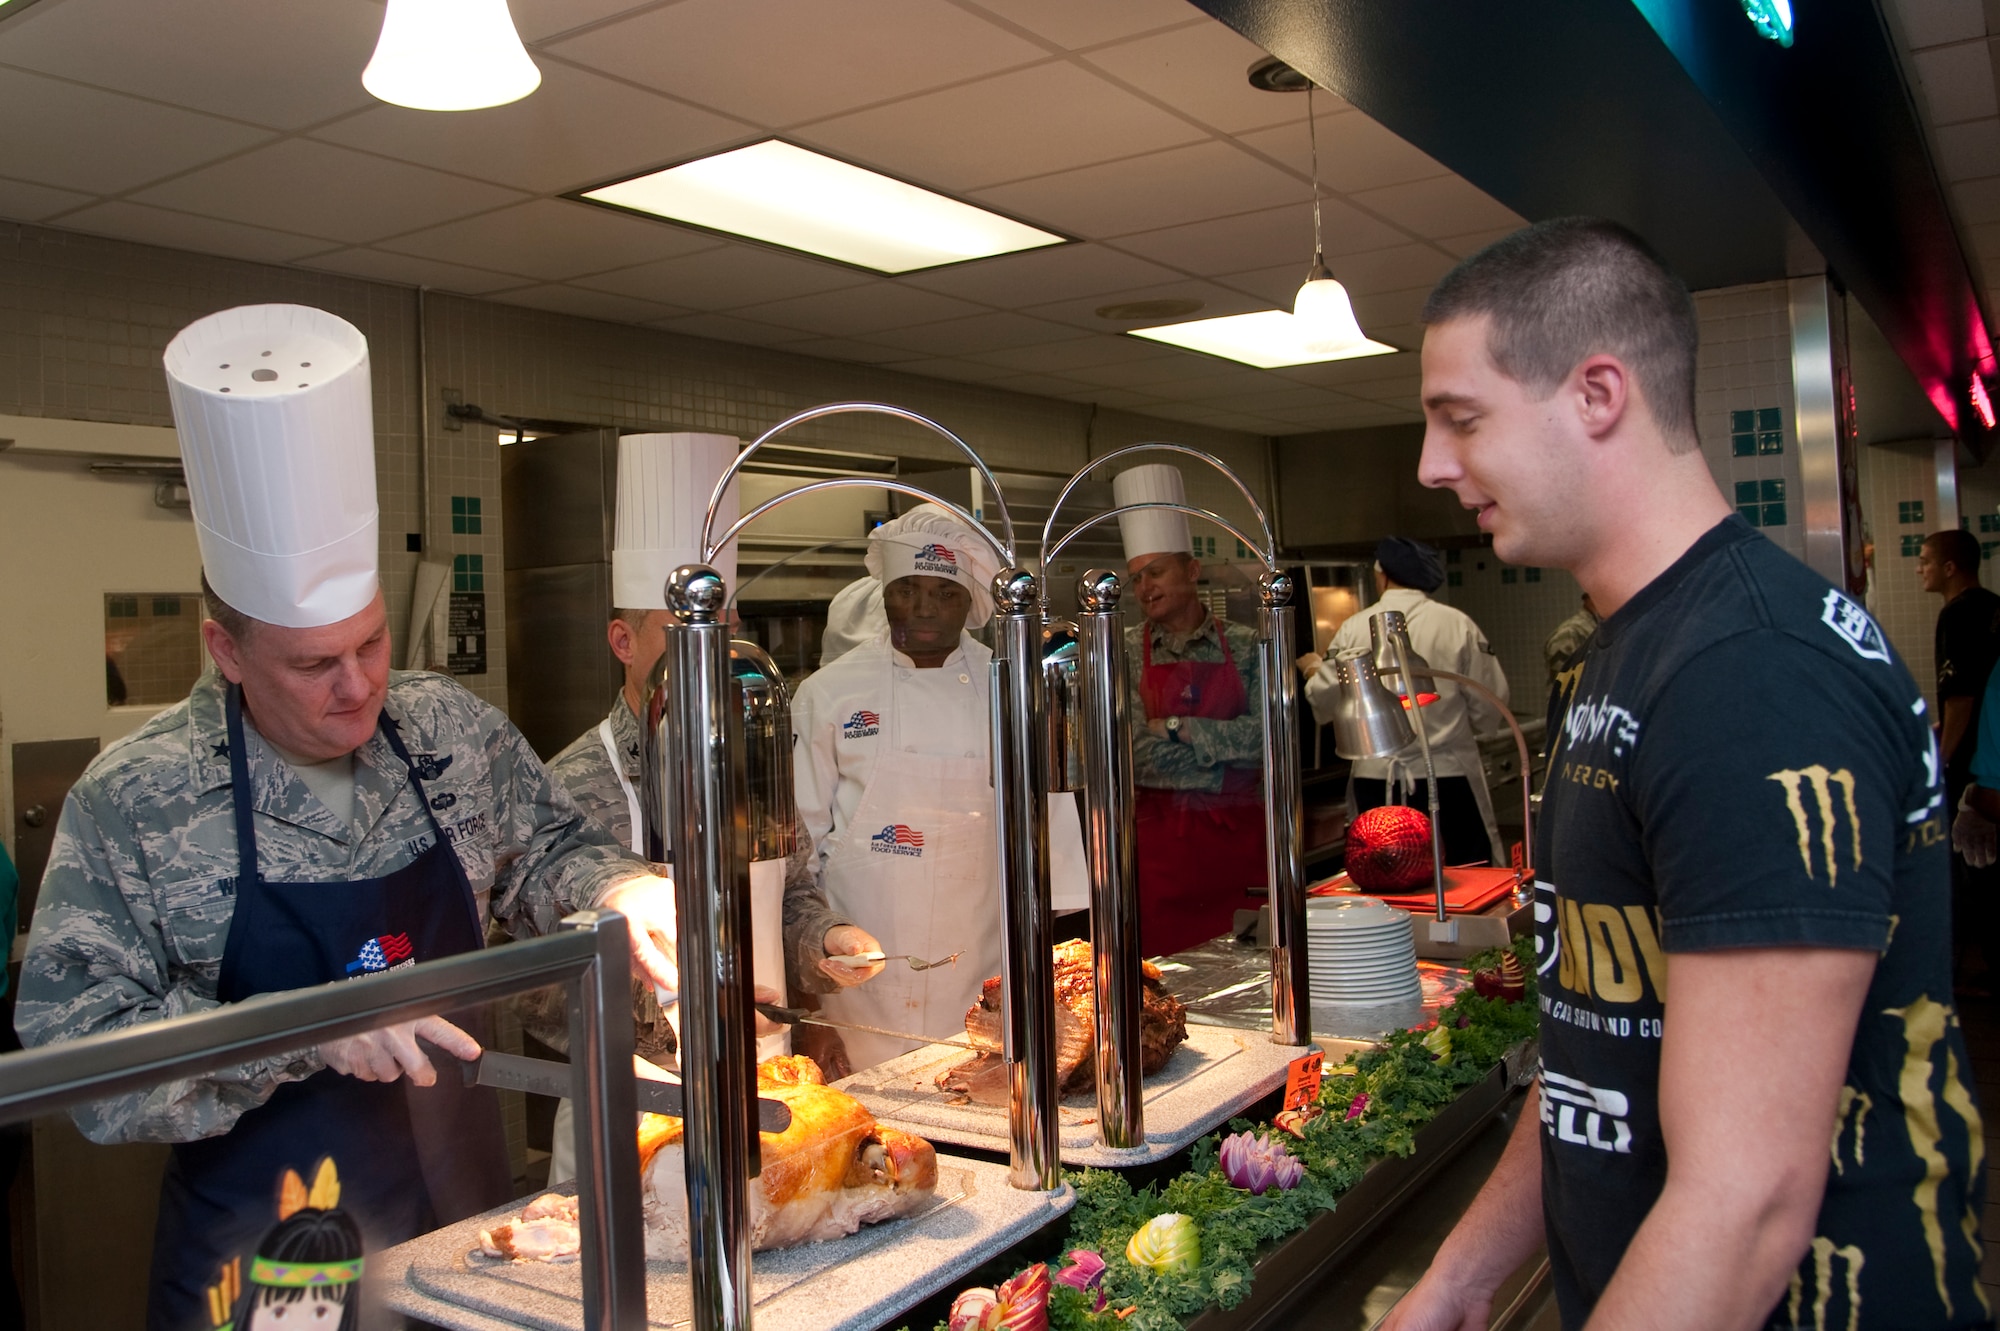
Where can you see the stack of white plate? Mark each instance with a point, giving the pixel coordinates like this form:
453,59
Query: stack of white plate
1361,951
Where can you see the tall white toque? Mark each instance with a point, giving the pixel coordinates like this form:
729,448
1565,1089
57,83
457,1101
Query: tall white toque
1155,531
664,481
277,437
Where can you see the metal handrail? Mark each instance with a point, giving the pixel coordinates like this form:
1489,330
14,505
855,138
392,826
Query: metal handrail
1268,551
1006,546
972,524
590,956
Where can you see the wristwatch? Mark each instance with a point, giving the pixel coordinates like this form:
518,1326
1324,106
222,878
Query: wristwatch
1174,729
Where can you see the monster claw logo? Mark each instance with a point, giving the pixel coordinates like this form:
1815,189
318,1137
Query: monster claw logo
936,559
380,954
861,725
1822,783
897,839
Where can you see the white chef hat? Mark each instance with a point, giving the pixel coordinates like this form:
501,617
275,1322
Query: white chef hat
929,540
854,618
664,481
1153,531
277,438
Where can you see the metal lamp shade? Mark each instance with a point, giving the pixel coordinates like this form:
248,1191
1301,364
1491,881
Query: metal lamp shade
1368,718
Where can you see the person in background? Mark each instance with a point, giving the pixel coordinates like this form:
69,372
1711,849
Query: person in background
1199,760
664,483
853,618
1570,638
894,786
1745,810
1409,571
1967,645
304,816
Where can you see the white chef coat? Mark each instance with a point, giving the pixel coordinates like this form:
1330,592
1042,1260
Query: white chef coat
853,720
1448,639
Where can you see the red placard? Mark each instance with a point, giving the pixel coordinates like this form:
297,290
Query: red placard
1302,1080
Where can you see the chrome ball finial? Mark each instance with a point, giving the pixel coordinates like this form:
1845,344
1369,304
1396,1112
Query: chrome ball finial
1275,586
697,594
1099,590
1015,591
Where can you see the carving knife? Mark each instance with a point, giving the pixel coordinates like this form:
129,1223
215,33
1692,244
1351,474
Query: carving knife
541,1076
793,1016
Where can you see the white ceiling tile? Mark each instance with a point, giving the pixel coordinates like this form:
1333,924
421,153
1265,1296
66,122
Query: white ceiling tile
728,328
1968,151
407,270
22,202
540,20
184,231
1028,122
1134,374
552,239
1342,373
865,309
577,130
1073,26
585,304
947,367
977,333
1124,399
1264,239
1442,206
725,278
1068,357
1202,71
1355,153
1042,385
1957,82
783,62
1034,276
1082,312
57,133
282,65
318,189
858,350
1930,22
1978,200
1474,241
1188,184
1397,268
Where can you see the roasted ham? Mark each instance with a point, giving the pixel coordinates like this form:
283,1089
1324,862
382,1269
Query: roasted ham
1162,1028
831,1172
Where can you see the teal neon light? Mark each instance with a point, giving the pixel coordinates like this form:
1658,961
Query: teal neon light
1773,18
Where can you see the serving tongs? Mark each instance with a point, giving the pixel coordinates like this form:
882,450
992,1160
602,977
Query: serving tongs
916,963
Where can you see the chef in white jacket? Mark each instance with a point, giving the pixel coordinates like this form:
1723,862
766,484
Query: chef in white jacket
894,788
1448,639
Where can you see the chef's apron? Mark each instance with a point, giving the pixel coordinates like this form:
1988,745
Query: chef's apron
1200,853
918,867
409,1158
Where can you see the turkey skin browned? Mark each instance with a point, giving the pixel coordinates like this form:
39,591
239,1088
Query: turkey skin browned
832,1171
1162,1028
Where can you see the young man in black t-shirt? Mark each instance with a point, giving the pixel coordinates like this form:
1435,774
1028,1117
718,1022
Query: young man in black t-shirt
1745,809
1968,643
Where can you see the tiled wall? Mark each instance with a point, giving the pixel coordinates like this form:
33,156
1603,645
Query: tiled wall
1517,609
1744,407
1899,502
83,321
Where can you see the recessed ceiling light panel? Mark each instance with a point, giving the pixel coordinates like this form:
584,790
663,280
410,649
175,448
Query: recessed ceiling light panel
785,195
1268,339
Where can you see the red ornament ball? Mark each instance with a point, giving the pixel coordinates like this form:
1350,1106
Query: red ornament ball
1389,849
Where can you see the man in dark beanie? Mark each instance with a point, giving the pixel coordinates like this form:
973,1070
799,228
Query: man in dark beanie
1447,638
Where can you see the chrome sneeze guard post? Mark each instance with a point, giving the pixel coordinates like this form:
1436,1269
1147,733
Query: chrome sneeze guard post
706,818
1021,806
56,1077
1109,843
1284,814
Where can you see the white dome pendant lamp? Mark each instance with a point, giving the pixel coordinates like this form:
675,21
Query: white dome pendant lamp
1325,314
450,55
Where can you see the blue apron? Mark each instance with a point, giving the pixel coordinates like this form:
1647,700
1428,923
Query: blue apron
409,1158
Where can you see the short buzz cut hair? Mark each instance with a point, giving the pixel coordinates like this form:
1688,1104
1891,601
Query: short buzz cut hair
234,622
1958,547
1563,290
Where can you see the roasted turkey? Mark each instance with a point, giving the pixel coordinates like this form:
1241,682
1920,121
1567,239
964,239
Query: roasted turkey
1162,1028
831,1172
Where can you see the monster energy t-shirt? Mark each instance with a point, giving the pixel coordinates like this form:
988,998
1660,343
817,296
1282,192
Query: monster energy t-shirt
1744,762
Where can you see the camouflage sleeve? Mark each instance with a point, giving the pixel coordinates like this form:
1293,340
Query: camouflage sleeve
807,918
1162,764
96,963
1239,740
549,860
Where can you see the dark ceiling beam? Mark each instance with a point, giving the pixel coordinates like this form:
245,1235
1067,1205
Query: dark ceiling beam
1676,118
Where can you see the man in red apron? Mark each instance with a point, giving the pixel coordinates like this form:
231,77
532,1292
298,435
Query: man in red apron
1199,760
304,817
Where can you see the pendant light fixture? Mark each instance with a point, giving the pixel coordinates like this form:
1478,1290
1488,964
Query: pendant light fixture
450,55
1322,308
